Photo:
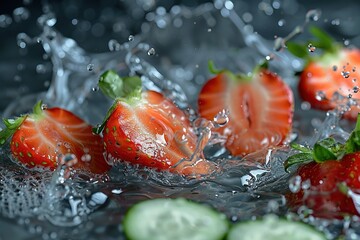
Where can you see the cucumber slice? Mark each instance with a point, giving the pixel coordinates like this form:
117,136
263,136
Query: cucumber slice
273,228
175,219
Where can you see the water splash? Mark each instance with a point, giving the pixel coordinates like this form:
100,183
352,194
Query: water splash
244,188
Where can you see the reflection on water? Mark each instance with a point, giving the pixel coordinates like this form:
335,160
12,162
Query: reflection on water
170,53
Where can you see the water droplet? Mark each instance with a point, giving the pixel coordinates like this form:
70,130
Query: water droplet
335,22
350,95
68,159
44,106
117,191
180,137
90,67
305,106
306,184
313,15
23,39
151,52
355,89
311,48
21,14
131,38
209,30
320,95
281,22
334,68
5,20
95,89
295,184
86,157
354,80
354,69
345,74
279,44
346,42
222,118
40,68
114,45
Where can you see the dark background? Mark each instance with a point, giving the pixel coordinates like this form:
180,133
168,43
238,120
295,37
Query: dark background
18,66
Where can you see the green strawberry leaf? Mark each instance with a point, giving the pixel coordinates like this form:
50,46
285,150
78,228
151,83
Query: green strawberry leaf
353,143
113,86
324,42
328,149
298,50
299,158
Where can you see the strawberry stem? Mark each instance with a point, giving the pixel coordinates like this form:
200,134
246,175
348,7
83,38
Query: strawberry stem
11,125
113,86
127,89
326,149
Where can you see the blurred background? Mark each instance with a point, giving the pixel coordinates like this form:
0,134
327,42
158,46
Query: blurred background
26,69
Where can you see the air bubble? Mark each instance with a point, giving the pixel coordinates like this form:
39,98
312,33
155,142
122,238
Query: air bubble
90,67
151,52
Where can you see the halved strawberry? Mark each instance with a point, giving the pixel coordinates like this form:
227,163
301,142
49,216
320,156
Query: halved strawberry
147,129
335,70
260,108
41,138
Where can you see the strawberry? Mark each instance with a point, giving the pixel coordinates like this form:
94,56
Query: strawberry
145,128
329,173
335,70
259,106
44,137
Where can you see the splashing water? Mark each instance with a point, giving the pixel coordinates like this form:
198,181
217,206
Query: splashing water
243,188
